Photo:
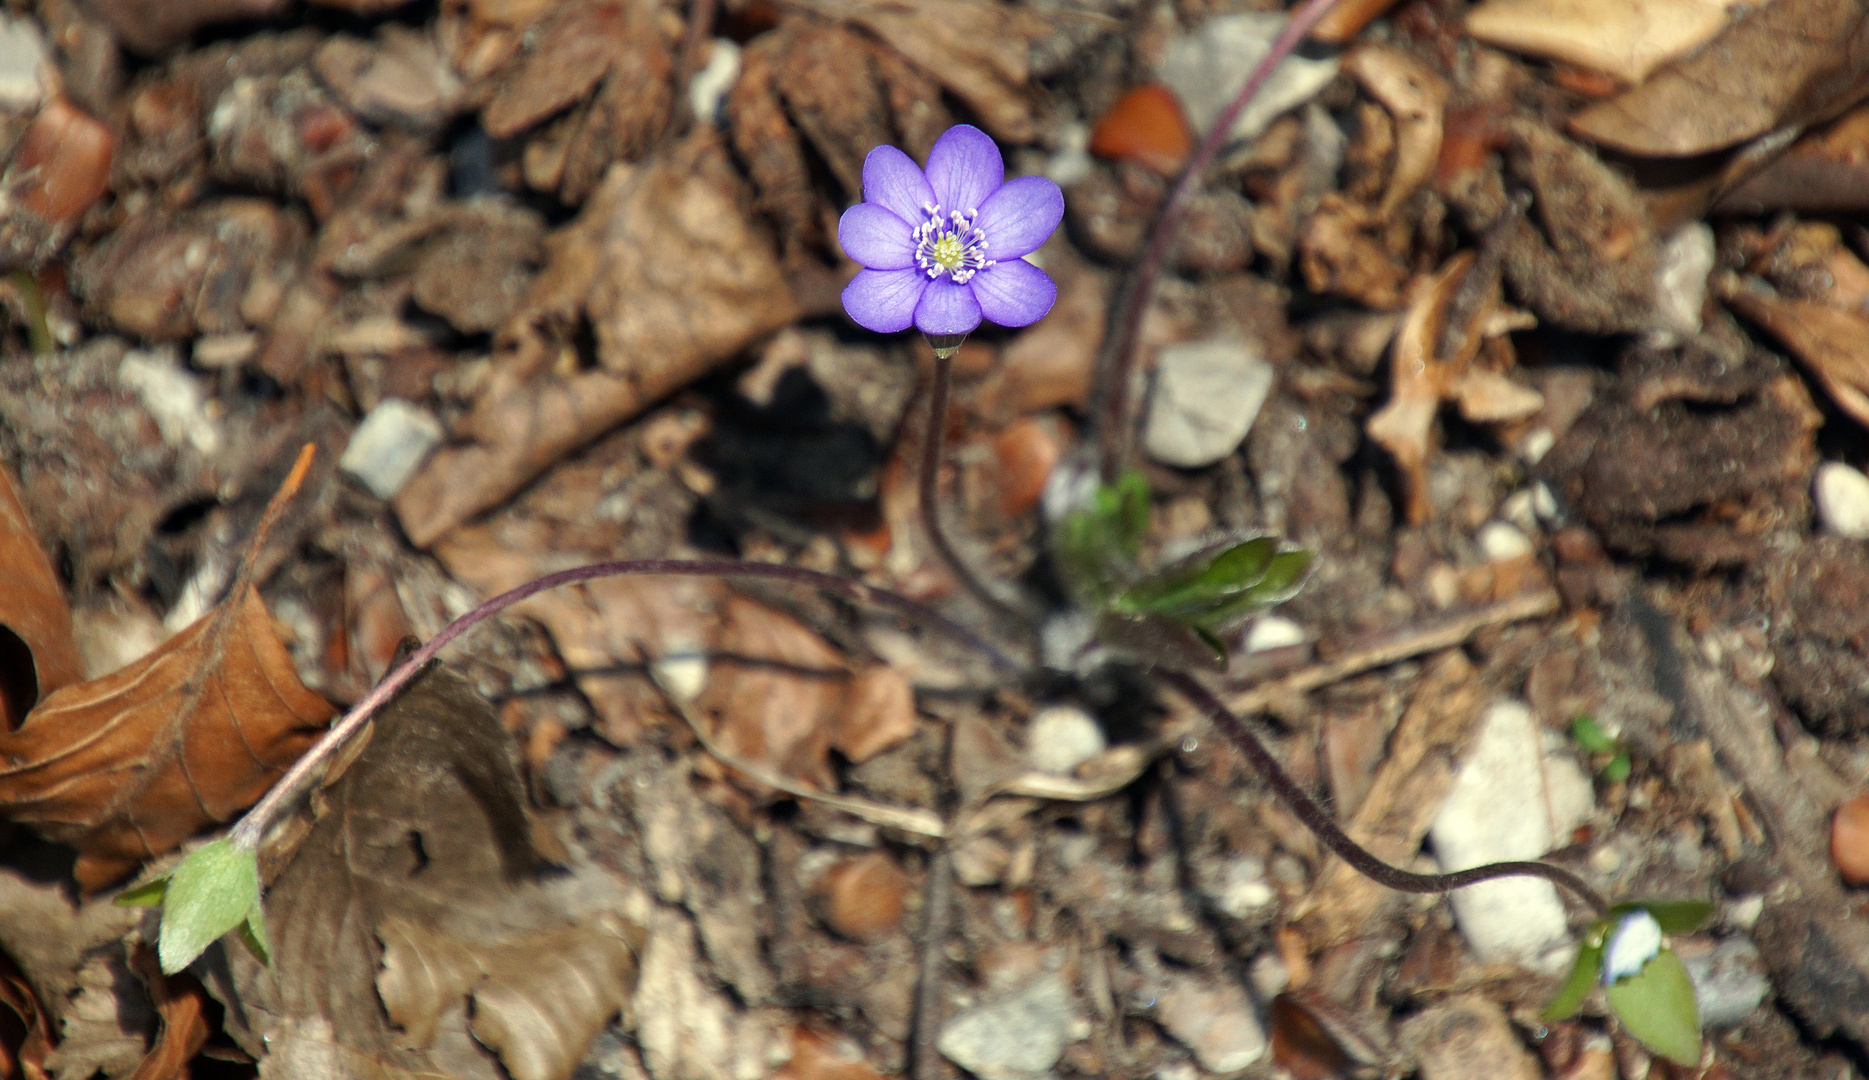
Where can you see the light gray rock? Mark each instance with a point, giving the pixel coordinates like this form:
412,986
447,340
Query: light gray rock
23,65
1207,68
1511,800
1216,1020
173,397
1729,977
1842,495
1207,395
1681,279
389,446
1017,1036
1467,1037
1059,738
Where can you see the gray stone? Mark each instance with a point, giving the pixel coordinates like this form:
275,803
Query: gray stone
1207,395
1215,1020
23,64
1018,1036
1059,738
1729,977
1207,68
389,446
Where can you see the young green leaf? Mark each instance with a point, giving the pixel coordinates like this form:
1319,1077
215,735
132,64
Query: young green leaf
1617,770
1200,583
1591,736
1657,1006
1095,548
215,889
253,936
1677,916
1583,975
148,894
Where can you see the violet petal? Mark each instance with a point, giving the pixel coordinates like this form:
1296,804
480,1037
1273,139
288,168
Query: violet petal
884,300
964,168
1020,216
947,308
1014,292
876,237
891,180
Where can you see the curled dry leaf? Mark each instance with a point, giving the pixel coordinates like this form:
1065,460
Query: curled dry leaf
1625,38
1416,98
126,767
1784,64
577,47
673,279
181,1004
37,652
1832,344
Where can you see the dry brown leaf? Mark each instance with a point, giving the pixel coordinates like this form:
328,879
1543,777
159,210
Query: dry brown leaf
1788,63
26,1057
127,766
428,828
979,50
538,998
1416,98
577,46
673,279
1420,377
180,1002
1833,344
37,652
772,150
1626,38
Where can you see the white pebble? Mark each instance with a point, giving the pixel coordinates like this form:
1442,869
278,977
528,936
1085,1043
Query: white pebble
1503,542
1681,279
1536,444
389,446
24,64
1207,395
1544,501
1273,632
1521,509
1059,738
172,396
709,86
1843,500
681,676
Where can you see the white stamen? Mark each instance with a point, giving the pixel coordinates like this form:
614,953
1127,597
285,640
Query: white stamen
953,246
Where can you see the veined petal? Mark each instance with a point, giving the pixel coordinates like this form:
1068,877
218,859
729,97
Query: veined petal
876,237
1020,216
947,308
1013,292
964,168
885,300
891,181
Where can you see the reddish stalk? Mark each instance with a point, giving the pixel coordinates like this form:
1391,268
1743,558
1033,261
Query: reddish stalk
252,828
1116,360
1325,828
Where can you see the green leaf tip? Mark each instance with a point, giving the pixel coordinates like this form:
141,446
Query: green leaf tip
148,894
1657,1005
214,890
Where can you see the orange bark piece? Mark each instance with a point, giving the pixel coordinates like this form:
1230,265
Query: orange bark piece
1849,840
1146,126
1346,19
71,154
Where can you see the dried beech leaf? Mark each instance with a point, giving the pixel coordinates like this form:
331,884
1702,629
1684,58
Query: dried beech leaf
1786,64
539,998
765,140
673,279
1416,98
181,1003
576,48
1833,344
979,50
1404,426
37,652
127,766
1625,38
425,833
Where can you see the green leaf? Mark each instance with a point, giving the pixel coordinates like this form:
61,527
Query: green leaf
1617,770
1284,577
1583,976
1677,916
148,894
1130,520
253,936
1591,736
1201,582
1657,1006
212,891
1095,548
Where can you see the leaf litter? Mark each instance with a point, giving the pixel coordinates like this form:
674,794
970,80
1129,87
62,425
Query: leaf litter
503,213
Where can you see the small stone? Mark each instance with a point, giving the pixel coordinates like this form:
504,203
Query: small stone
1213,1019
1681,279
389,446
1466,1037
1059,738
1849,840
1207,68
1206,396
1240,888
980,861
1018,1036
23,65
1511,800
1502,542
1843,500
1270,632
173,397
1729,977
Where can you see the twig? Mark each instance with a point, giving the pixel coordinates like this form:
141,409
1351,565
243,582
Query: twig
1117,358
929,492
1322,826
1391,648
937,914
253,827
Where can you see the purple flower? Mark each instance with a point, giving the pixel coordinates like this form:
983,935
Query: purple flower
942,248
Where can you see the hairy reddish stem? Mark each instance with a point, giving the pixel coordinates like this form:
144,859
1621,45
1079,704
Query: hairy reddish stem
928,494
252,828
1321,824
1116,360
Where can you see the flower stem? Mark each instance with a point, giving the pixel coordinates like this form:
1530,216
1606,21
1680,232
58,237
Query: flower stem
253,827
929,493
1116,360
1325,829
